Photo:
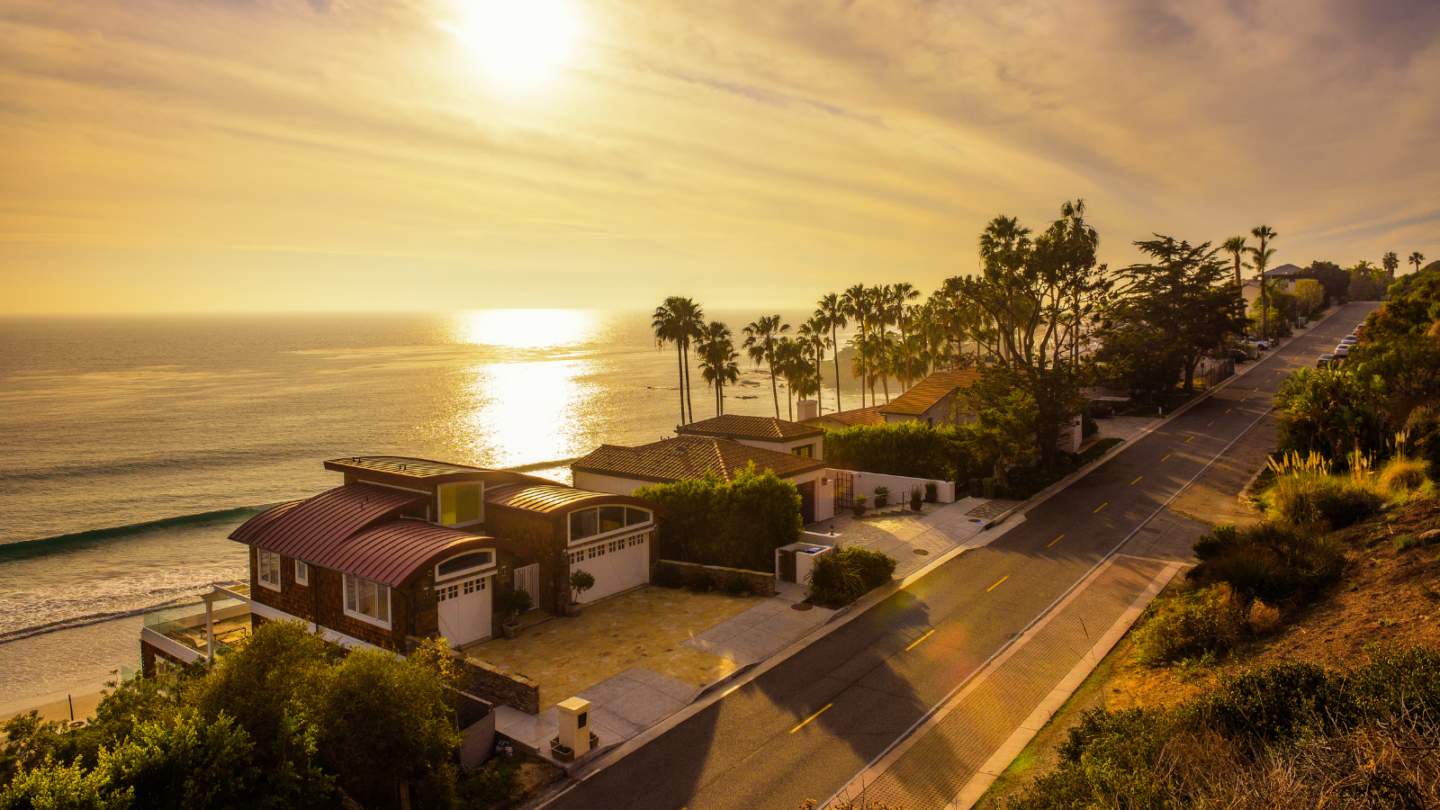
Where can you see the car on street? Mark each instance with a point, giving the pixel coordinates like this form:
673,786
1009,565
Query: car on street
1325,360
1239,355
1342,351
1349,340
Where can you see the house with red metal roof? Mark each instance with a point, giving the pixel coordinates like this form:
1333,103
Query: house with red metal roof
408,549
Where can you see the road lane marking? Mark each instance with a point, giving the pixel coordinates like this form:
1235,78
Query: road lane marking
1137,480
1056,540
1101,506
811,717
1187,441
918,640
1210,424
996,585
1242,399
1227,410
1167,458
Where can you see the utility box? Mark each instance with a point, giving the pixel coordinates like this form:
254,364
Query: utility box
793,563
575,725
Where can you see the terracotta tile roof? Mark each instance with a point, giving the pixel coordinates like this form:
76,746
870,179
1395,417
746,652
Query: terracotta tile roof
928,392
852,418
552,498
762,428
690,457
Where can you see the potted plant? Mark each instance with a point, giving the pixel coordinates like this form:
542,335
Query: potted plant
580,582
512,604
915,499
859,505
932,492
882,496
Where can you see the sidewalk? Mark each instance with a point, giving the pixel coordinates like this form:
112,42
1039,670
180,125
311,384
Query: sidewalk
948,761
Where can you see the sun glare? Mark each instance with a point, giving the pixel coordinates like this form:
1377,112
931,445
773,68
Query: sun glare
518,42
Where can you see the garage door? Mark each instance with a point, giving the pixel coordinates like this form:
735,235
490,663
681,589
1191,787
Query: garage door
464,610
617,565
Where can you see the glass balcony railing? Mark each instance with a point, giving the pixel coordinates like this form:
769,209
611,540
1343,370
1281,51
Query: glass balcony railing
185,623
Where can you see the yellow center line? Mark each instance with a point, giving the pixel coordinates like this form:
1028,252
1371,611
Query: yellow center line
811,717
996,585
1137,480
918,640
1101,506
1210,424
1056,540
1227,410
1167,457
1187,441
1242,399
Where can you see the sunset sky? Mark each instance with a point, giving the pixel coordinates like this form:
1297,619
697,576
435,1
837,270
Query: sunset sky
253,155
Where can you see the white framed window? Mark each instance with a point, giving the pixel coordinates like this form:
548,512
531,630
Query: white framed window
302,573
463,564
461,504
602,520
268,563
367,601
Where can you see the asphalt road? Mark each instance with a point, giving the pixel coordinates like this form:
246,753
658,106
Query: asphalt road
804,728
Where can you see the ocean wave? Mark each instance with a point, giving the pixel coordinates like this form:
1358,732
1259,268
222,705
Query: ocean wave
30,548
112,599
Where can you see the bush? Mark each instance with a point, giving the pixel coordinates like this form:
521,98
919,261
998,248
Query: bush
1269,560
668,576
847,573
932,492
1347,504
1263,618
580,582
1208,545
513,602
910,449
698,580
735,524
1206,620
1279,701
1401,475
735,583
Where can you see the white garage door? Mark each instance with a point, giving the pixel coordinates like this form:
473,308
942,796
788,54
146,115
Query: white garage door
617,565
464,610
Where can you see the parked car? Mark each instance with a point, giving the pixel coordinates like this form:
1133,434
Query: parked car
1325,360
1238,355
1349,340
1260,344
1342,351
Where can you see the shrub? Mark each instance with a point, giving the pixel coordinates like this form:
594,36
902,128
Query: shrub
875,568
1346,504
735,583
910,449
1263,618
580,582
1279,701
1205,620
1404,542
735,524
698,580
1220,538
1269,560
915,499
513,602
668,576
932,492
1401,475
848,573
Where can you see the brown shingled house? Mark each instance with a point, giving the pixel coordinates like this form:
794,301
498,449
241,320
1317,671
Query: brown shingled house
933,400
409,548
622,470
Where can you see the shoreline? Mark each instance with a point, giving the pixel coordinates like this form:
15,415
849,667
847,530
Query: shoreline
82,701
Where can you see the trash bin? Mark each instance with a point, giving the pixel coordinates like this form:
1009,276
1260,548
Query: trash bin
989,488
975,488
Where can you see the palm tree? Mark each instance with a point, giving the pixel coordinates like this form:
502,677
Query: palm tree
1262,256
760,337
691,321
814,339
716,351
1417,258
1391,263
856,302
864,365
794,366
900,296
832,313
1235,246
667,325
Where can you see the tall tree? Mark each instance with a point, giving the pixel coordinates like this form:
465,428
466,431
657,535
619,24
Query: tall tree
691,321
1262,254
792,363
856,301
668,323
832,312
901,294
1417,258
1036,292
1237,249
760,339
716,350
1182,296
814,338
1391,263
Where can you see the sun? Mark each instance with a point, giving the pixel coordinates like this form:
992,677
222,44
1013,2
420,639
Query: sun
518,42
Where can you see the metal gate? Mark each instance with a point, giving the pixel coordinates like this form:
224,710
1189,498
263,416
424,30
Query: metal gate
844,490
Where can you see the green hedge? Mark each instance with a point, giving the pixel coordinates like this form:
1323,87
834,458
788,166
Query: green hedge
910,449
735,524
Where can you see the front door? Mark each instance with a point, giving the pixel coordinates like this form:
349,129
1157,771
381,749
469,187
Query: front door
464,607
807,502
527,579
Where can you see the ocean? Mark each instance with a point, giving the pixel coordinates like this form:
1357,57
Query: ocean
132,447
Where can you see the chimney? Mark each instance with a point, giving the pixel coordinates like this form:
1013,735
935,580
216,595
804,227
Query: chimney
809,409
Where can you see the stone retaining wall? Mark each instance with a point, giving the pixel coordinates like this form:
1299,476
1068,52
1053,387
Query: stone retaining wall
492,684
761,584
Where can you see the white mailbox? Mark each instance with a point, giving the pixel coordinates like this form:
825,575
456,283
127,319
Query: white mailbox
575,725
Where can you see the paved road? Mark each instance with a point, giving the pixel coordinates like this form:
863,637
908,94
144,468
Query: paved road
804,728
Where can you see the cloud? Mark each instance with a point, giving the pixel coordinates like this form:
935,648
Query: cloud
741,152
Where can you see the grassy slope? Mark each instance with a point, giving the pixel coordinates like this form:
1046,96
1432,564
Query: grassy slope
1386,594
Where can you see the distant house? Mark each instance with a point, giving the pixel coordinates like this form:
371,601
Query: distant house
622,470
848,419
761,431
410,548
933,400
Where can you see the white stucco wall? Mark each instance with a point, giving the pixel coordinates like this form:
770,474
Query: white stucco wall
612,484
789,447
864,483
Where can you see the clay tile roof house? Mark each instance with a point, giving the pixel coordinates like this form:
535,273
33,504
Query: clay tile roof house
761,431
410,548
932,399
859,417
